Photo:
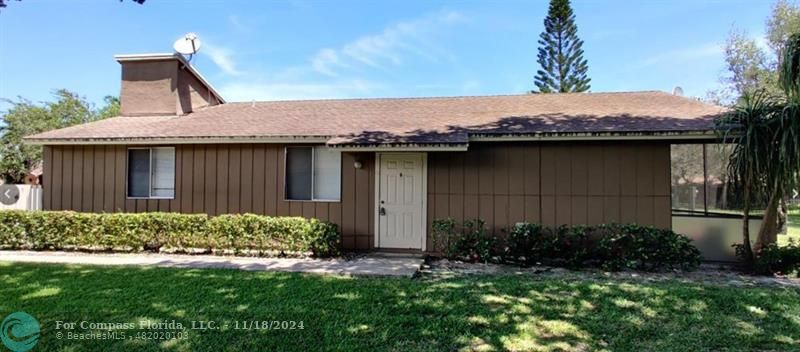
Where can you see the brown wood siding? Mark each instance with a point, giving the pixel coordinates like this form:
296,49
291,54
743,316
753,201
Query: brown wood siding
212,179
503,183
47,169
551,183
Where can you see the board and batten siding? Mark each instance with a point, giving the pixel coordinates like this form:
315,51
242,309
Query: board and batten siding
211,179
502,183
551,183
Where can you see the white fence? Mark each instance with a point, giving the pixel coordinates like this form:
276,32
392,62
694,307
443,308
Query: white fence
30,198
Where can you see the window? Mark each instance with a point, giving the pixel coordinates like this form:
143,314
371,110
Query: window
700,182
688,177
313,173
718,193
298,173
151,173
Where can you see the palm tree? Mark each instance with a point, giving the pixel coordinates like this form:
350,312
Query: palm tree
765,134
744,128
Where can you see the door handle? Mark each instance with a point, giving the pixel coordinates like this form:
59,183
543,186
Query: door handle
382,211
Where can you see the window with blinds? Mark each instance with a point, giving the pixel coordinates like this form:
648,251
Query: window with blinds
313,173
151,172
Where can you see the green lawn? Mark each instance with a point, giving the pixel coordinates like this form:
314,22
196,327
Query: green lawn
792,227
483,313
794,222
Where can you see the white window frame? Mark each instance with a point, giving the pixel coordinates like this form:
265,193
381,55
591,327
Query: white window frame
150,174
313,149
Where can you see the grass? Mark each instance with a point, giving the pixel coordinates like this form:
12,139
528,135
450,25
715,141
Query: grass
792,227
794,222
478,313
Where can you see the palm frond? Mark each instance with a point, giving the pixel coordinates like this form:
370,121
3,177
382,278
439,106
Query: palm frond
746,128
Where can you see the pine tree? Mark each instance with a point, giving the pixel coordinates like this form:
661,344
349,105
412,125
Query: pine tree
563,68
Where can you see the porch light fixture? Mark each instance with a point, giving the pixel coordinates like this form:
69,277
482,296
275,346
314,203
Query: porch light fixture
357,165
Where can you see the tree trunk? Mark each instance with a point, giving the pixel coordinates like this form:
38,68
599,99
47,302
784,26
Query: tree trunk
783,213
724,200
768,232
748,250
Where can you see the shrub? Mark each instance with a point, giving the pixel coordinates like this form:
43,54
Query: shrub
645,248
143,231
470,243
613,247
527,243
247,233
475,244
571,245
774,259
563,246
323,239
14,227
444,234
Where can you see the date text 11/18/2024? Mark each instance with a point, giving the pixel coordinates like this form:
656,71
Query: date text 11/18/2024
249,325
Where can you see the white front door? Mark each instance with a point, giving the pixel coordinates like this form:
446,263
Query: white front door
400,201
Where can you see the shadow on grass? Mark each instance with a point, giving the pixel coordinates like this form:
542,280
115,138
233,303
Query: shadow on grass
478,313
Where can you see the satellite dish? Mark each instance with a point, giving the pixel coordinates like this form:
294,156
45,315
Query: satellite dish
677,91
189,44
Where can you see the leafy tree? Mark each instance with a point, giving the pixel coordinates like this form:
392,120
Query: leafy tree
563,68
750,67
111,109
25,118
783,22
765,133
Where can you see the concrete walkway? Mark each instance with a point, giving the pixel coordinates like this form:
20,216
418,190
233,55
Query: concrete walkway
366,265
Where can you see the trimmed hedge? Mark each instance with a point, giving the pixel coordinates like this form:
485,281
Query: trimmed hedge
612,247
238,234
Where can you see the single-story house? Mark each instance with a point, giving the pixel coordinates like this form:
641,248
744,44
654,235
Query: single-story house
382,169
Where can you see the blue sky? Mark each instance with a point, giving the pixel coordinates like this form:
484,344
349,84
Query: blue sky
301,49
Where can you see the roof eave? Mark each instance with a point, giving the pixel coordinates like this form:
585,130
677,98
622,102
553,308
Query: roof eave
577,136
177,140
405,147
473,137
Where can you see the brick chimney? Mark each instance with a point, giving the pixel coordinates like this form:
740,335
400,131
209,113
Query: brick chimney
162,84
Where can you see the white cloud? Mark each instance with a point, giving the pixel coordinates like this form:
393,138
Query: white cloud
684,55
236,23
325,61
340,72
389,47
223,58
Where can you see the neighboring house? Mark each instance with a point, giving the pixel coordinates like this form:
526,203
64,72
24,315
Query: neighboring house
35,175
382,169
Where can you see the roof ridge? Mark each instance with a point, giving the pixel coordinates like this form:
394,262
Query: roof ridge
441,97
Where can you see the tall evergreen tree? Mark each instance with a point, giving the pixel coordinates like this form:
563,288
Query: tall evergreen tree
563,68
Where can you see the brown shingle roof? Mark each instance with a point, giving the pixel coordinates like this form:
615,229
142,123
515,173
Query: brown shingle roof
414,120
